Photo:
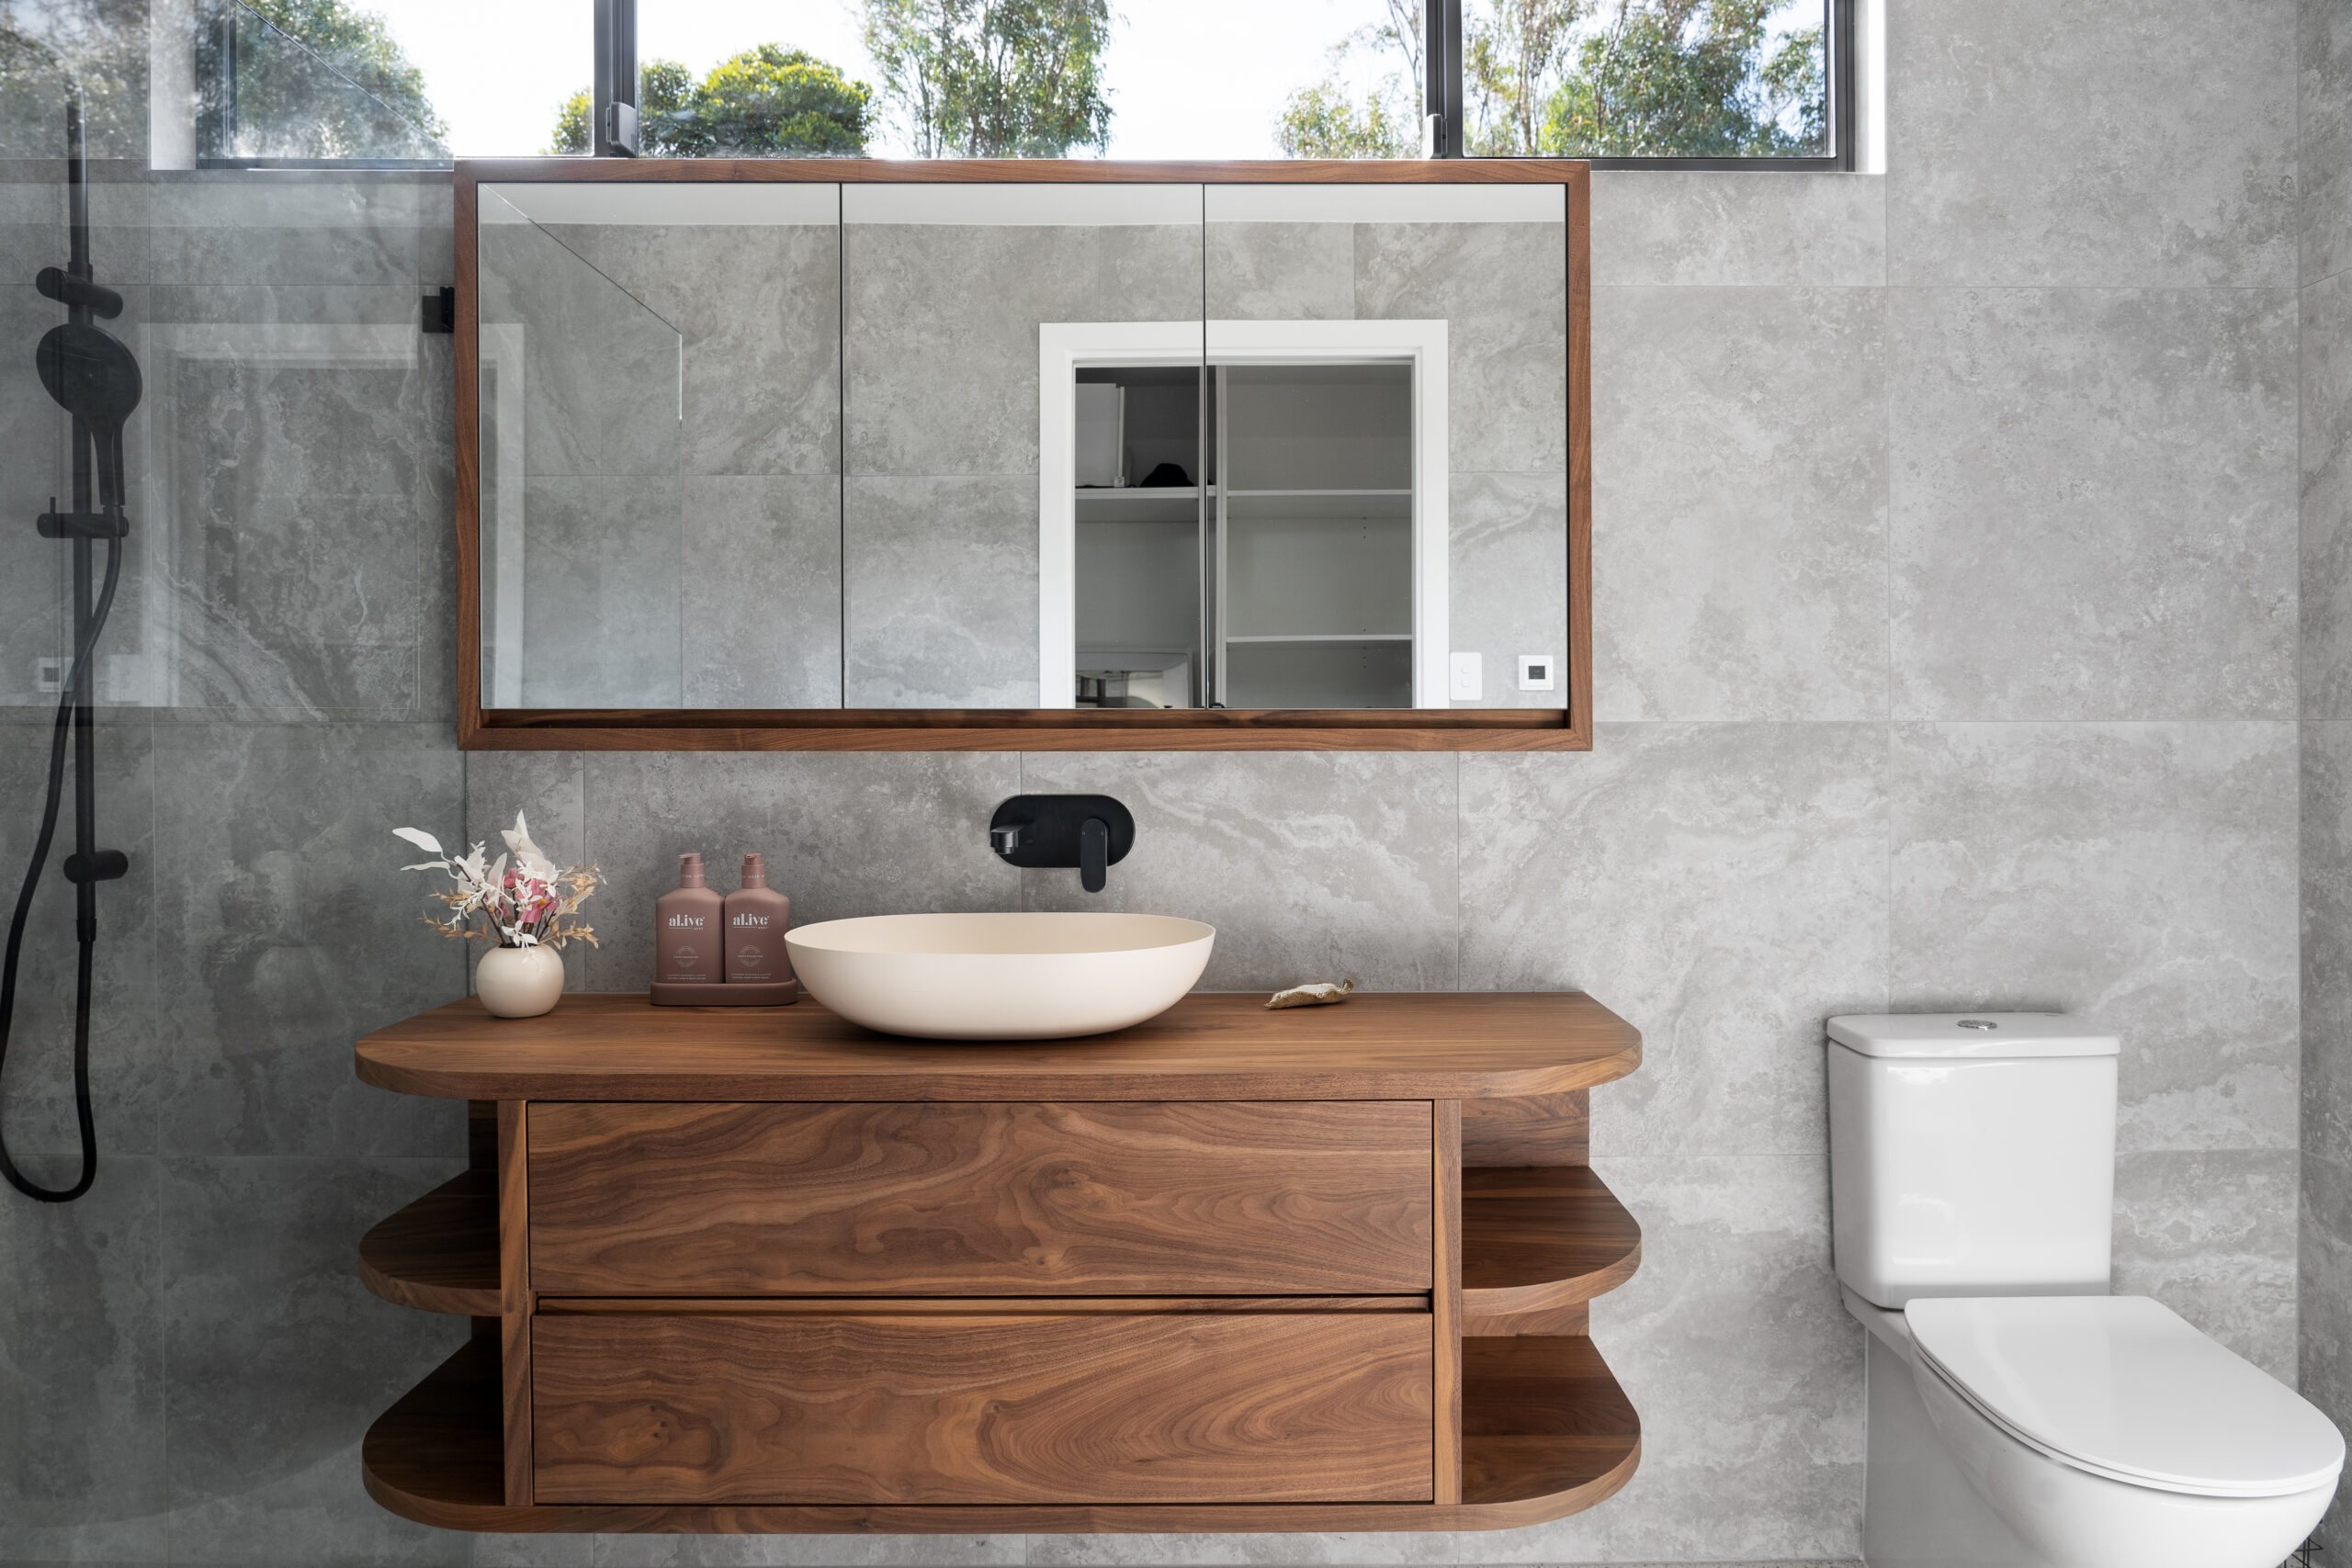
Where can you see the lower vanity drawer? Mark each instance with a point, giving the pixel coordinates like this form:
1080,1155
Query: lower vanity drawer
705,1407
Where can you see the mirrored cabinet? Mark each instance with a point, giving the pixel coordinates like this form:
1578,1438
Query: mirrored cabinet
832,454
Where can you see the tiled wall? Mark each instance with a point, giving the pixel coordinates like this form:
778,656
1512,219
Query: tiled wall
2326,316
1945,612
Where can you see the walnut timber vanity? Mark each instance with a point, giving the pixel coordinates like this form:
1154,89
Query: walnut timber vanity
761,1270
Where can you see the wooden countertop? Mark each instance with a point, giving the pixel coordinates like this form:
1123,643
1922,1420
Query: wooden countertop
1383,1045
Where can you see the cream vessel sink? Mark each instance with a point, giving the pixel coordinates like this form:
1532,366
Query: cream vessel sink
1017,976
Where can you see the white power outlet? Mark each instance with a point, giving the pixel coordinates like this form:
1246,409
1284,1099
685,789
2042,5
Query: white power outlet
1537,673
1466,681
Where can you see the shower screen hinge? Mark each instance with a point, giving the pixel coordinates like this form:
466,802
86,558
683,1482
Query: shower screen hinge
441,310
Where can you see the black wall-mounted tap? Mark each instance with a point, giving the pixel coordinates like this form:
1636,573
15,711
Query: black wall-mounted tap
1092,832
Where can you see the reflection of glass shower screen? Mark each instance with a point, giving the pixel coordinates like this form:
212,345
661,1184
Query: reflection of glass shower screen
580,395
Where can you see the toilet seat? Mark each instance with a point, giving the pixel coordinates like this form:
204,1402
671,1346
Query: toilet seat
2122,1387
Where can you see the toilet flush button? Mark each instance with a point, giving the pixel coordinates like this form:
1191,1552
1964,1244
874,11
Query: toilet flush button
1978,1023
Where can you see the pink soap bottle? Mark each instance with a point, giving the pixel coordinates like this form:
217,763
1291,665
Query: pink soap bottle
756,918
687,939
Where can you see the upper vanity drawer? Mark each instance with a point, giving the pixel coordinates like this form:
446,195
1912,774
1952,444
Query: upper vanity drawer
1316,1198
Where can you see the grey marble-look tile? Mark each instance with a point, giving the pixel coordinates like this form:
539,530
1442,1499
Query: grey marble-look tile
286,929
2142,874
758,311
277,1358
128,1054
940,331
548,1550
2324,167
842,834
82,1453
760,578
1720,887
2325,448
810,1551
225,227
1502,290
1311,865
603,613
2210,1234
1733,1345
2326,864
942,591
1709,227
1739,497
2143,144
1509,580
2092,503
600,370
1280,272
2325,1274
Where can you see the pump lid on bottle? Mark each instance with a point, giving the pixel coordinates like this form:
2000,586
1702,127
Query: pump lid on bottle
690,870
755,875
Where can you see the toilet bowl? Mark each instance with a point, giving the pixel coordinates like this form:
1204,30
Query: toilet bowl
2020,1415
2105,1432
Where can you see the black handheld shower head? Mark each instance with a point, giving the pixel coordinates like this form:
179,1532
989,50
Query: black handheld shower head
96,378
70,288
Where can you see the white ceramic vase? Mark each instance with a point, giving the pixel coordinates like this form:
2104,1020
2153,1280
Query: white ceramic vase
519,982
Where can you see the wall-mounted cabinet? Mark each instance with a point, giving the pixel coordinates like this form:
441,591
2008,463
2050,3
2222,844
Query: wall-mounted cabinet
1035,455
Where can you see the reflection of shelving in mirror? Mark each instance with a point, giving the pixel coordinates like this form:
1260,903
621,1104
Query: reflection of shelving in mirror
1314,582
1142,485
1276,515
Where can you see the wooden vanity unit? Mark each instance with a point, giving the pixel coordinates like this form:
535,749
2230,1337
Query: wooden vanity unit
761,1271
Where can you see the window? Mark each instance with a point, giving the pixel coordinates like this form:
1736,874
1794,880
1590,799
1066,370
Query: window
1744,83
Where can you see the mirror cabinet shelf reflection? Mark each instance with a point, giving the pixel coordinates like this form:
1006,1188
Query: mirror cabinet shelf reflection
1033,456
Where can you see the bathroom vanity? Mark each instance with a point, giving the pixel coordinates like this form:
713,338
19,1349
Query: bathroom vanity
761,1271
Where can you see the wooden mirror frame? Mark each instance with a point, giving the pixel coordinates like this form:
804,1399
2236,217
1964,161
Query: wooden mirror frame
1028,730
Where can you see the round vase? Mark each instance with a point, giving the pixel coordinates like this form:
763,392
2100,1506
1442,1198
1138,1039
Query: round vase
519,982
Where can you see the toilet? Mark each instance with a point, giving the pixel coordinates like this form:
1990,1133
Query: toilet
2020,1415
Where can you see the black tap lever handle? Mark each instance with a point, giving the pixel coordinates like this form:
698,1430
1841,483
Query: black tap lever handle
1093,853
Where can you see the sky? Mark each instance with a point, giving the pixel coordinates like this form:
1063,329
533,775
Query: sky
498,69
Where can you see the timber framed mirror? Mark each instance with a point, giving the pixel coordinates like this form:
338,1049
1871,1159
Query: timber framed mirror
837,455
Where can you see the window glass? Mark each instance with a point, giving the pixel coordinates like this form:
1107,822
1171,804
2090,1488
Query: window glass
1646,78
1030,79
501,78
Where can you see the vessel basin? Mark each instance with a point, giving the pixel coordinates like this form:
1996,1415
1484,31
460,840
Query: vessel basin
1014,977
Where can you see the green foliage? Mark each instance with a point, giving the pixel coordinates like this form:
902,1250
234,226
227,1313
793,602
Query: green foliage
993,78
1325,121
766,102
1510,57
323,79
1689,78
1330,119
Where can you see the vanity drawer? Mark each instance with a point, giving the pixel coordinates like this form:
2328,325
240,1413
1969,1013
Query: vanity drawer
1294,1198
1178,1407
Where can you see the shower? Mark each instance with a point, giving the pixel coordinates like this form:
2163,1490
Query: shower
94,378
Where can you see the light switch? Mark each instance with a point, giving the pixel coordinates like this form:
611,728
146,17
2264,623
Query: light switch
1468,682
1536,673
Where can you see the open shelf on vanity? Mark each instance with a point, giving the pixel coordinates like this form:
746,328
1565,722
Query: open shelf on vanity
1546,1431
440,1254
1535,1239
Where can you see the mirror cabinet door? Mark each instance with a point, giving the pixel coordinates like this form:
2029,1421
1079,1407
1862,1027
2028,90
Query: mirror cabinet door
979,424
1389,367
659,395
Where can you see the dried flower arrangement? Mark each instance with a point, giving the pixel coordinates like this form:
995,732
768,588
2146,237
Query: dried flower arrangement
523,904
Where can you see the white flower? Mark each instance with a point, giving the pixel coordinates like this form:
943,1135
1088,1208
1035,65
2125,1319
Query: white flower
528,859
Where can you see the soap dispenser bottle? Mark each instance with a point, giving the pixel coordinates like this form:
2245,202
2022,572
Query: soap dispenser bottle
687,939
756,918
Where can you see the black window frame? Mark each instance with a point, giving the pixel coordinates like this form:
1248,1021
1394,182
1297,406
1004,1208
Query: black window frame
614,131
